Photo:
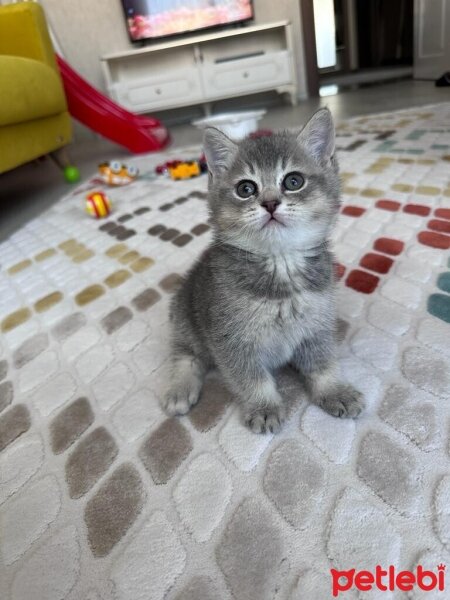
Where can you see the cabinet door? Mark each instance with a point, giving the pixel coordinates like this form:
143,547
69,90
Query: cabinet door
233,77
175,89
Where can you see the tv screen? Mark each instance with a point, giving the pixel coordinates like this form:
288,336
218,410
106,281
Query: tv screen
150,19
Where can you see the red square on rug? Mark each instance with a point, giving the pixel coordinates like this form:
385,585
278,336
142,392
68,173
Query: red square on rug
388,205
438,225
417,209
339,270
353,211
389,246
442,213
376,262
361,281
435,240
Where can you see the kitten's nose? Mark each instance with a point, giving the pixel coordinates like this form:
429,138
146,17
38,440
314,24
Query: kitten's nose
270,205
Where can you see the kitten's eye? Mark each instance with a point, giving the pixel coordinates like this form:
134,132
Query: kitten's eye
293,182
246,188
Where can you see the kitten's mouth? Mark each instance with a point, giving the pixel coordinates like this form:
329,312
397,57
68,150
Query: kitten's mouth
272,221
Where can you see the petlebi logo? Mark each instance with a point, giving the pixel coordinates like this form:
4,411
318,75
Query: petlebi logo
388,579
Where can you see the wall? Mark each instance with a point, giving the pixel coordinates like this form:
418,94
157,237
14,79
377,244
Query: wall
85,30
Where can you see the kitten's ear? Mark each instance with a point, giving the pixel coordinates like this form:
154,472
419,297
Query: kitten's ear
219,149
317,136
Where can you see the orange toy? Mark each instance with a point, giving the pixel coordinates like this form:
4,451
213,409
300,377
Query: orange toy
184,170
115,173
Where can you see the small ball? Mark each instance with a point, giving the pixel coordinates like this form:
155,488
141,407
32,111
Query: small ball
98,205
71,174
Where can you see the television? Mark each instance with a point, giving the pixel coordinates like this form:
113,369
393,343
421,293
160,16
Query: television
153,19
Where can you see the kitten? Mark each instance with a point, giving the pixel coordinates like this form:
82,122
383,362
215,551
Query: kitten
263,293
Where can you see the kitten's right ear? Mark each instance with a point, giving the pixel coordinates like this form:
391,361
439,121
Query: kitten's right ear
219,150
318,135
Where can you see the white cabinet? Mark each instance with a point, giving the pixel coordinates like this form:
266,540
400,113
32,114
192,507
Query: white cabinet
201,69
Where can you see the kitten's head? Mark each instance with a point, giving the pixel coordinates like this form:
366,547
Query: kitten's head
274,192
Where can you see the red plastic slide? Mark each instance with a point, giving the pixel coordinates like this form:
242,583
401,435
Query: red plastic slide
96,111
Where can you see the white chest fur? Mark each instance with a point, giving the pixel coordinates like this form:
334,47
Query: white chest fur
275,328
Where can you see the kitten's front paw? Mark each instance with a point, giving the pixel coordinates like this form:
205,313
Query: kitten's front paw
266,420
343,401
179,401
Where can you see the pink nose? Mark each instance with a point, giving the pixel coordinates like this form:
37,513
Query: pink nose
270,205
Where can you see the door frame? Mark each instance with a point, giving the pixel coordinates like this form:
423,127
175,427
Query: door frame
309,44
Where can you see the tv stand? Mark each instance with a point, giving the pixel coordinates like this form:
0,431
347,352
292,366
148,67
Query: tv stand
203,69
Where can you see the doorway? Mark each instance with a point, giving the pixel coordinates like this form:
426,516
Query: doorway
358,42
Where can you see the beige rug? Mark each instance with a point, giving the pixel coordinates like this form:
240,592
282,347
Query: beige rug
104,498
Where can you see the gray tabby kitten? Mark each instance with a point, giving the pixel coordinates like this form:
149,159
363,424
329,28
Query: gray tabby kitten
263,294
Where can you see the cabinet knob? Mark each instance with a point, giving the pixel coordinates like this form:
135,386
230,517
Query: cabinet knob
158,91
245,74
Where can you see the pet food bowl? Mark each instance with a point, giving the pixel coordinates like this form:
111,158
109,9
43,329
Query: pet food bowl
236,125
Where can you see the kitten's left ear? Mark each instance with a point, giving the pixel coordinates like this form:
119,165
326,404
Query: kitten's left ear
219,149
317,136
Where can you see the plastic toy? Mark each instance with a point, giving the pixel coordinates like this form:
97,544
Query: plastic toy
71,174
98,205
116,173
183,169
96,111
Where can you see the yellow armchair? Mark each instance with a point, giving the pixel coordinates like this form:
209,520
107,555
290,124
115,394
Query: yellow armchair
34,119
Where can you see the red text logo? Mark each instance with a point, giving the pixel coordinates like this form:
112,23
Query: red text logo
388,579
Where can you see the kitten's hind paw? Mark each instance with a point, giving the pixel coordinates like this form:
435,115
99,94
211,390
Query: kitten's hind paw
344,401
268,419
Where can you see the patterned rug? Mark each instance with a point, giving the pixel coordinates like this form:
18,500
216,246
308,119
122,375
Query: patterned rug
104,498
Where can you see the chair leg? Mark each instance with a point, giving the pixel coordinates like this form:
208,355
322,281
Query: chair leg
62,160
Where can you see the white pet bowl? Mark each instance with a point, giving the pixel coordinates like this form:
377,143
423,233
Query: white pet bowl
235,125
